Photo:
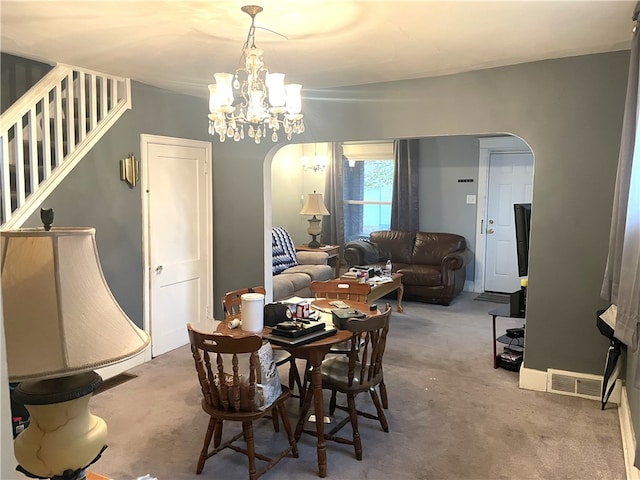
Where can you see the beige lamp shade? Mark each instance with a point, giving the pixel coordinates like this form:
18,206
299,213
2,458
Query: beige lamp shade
314,205
59,315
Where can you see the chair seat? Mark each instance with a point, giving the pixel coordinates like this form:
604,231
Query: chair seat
243,416
334,373
280,357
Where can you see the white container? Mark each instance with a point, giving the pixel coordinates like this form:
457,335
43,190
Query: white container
252,312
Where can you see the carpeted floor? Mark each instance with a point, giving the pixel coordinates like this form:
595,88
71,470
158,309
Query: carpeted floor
451,416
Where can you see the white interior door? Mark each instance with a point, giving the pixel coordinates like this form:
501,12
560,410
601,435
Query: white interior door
177,188
510,181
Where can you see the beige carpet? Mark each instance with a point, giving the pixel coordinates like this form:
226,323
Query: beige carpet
451,416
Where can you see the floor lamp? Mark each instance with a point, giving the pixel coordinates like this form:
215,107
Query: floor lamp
61,323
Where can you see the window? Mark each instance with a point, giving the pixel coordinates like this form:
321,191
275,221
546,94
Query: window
367,188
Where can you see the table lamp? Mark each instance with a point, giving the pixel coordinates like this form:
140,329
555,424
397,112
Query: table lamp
61,322
314,206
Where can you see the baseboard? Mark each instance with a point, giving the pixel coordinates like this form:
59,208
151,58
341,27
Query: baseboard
532,379
628,436
468,286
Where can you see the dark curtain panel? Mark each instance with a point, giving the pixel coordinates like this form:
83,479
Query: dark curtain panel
621,284
333,225
404,203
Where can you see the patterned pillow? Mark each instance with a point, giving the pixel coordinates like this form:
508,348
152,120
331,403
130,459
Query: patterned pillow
283,250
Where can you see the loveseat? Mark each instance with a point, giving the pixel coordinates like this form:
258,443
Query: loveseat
432,264
294,271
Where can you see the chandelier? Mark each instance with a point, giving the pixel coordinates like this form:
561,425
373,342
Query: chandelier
262,101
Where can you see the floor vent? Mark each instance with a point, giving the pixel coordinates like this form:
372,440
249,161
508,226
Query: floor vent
574,384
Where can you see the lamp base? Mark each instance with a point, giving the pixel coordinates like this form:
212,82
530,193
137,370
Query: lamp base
62,438
314,243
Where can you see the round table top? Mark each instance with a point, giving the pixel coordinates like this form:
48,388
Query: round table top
320,304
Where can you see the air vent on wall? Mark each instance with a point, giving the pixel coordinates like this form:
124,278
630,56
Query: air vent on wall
574,384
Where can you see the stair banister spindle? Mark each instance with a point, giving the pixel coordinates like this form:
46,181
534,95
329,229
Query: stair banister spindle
4,177
18,156
57,125
32,123
82,107
70,114
93,116
46,136
103,97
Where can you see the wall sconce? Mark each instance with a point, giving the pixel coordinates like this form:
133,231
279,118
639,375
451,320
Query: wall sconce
129,170
319,162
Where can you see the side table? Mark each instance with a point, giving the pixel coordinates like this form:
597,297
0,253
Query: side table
333,251
502,311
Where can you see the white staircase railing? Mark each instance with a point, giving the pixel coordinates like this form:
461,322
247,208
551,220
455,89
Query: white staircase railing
48,131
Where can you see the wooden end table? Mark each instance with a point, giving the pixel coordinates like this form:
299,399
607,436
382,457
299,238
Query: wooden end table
333,252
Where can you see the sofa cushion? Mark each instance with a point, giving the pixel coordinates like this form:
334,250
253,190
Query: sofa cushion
283,287
312,272
396,245
283,250
431,248
427,275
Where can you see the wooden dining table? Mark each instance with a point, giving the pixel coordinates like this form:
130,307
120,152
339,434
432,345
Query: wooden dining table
314,353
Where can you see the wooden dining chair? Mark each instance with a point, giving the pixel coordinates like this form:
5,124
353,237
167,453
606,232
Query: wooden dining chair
229,396
232,305
360,371
340,289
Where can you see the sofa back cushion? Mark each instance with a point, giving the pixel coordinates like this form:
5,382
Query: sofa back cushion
283,250
431,248
396,245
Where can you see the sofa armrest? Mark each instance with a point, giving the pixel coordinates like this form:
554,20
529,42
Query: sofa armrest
312,258
353,255
456,260
361,252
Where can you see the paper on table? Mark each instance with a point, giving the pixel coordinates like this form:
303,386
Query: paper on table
376,280
296,300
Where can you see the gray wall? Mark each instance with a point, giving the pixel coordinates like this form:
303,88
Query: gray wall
443,207
568,110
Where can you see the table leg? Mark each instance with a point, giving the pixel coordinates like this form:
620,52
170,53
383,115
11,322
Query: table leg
493,338
400,294
318,405
315,389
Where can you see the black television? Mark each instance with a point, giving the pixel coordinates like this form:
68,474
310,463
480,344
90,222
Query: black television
522,217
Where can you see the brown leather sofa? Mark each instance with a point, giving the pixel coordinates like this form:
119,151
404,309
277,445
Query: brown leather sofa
432,264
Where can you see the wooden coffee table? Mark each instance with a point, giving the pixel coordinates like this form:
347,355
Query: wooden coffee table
379,290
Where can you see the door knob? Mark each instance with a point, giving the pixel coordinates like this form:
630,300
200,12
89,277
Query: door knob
159,269
489,230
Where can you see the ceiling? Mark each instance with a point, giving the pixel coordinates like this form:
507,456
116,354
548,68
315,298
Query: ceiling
179,45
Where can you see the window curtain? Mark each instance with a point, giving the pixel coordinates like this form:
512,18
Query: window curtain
404,199
333,225
621,284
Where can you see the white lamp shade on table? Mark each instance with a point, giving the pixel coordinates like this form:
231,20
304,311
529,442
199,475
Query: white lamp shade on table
61,322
